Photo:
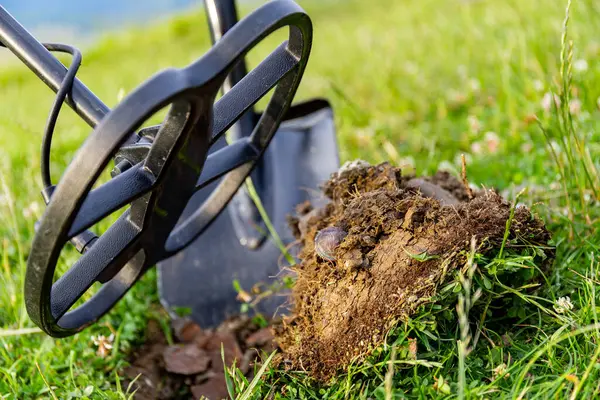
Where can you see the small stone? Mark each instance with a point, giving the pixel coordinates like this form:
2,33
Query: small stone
260,337
327,241
185,360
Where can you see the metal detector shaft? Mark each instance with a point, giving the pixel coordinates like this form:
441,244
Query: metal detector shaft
222,16
49,69
246,219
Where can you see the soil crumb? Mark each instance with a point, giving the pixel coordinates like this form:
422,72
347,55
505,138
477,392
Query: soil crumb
192,367
391,241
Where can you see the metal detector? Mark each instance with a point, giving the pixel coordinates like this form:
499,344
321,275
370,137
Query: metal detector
174,178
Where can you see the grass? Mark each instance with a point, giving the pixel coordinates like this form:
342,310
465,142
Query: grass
415,83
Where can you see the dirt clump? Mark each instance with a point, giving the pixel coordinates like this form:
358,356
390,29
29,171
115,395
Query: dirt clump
192,367
401,238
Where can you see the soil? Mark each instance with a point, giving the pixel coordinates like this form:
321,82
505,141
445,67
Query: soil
192,367
401,238
387,242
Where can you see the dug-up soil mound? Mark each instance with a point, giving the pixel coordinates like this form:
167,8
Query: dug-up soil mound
385,243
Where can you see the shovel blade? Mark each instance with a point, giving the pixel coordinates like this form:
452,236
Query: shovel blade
300,157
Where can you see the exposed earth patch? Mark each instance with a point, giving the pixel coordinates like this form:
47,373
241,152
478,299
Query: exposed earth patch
378,250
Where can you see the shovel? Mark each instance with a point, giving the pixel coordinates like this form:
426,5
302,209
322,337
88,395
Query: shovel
237,246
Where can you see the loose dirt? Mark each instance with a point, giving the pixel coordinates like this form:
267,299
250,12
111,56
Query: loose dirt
402,236
192,367
387,242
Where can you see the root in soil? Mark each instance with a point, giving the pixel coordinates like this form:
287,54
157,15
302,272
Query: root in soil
402,237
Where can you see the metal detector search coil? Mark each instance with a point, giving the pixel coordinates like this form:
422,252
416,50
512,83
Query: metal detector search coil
175,166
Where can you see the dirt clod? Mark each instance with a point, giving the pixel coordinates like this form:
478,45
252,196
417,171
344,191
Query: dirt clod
231,350
185,329
214,388
404,235
428,189
261,337
186,360
194,365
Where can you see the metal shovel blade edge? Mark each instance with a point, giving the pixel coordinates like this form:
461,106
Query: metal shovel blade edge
302,156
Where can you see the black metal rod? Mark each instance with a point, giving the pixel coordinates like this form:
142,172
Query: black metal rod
49,69
222,16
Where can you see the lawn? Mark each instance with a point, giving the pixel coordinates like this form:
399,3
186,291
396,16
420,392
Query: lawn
417,83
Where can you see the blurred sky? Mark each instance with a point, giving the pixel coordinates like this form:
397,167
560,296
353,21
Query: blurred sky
79,21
